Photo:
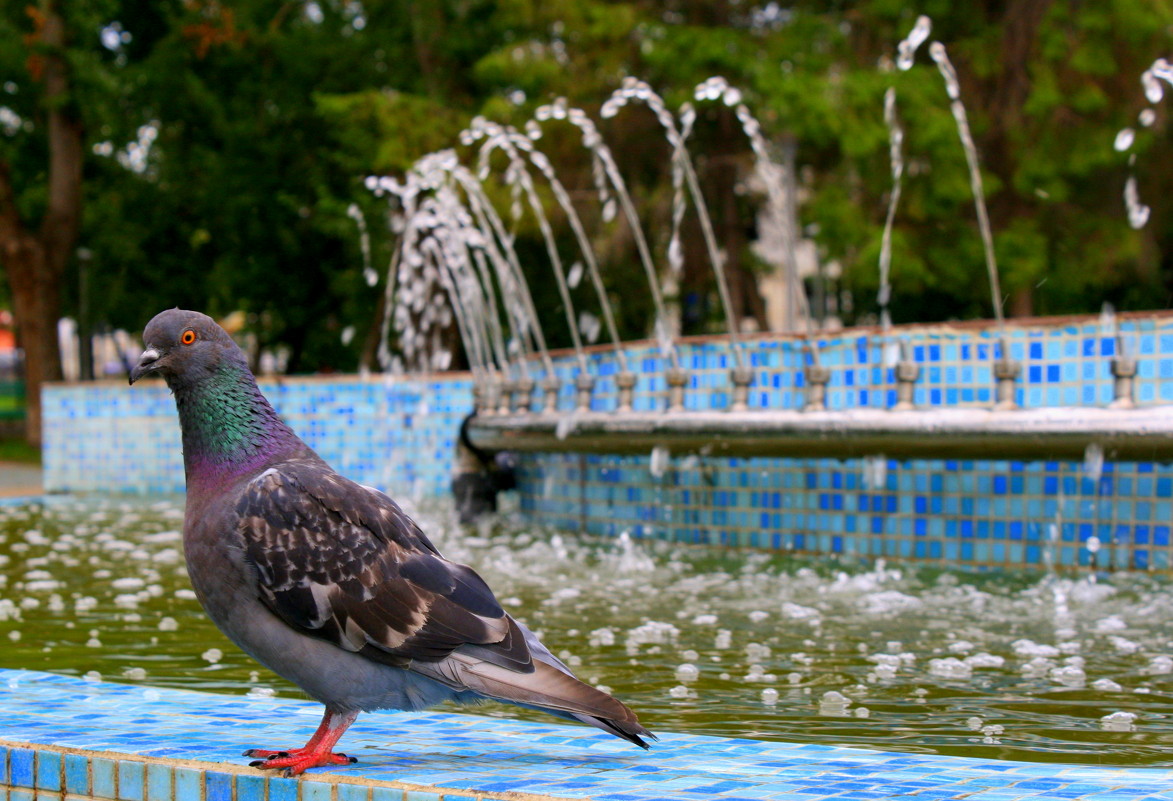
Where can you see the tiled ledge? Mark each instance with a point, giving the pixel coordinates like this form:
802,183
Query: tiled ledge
64,739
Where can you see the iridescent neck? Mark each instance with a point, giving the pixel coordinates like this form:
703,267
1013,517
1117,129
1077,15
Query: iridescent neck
229,427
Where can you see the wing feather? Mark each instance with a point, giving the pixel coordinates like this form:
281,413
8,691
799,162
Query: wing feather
343,563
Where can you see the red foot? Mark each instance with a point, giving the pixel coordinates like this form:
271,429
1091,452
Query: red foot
296,760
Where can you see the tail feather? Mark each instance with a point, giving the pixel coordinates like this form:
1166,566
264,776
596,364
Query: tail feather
547,688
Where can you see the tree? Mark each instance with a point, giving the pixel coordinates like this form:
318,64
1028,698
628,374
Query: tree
222,146
35,251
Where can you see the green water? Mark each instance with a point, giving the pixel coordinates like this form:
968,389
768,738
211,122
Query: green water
696,640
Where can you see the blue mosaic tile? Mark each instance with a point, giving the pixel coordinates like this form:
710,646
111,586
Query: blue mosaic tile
188,783
20,767
130,780
315,791
217,786
351,792
280,789
102,773
77,774
159,783
923,506
48,771
383,794
449,756
251,788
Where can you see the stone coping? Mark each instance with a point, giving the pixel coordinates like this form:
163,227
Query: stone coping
67,739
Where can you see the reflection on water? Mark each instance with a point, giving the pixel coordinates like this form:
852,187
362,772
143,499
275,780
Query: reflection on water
1018,666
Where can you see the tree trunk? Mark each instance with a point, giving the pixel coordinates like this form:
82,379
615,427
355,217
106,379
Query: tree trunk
35,262
34,301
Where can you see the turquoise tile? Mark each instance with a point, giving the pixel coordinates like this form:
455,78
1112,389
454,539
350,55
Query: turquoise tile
353,792
315,791
48,770
385,794
102,773
20,795
188,784
159,783
77,774
250,788
420,795
130,780
20,767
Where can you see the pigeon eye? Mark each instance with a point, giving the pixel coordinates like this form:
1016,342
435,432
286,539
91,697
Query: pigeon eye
187,337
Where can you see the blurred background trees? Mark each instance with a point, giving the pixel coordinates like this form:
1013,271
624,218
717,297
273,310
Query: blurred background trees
206,153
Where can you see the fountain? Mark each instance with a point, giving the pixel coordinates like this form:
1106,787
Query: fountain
730,418
774,445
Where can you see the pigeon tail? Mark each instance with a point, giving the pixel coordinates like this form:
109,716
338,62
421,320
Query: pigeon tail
547,688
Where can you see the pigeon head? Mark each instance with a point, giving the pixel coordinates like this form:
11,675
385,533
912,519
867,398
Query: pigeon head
228,426
185,347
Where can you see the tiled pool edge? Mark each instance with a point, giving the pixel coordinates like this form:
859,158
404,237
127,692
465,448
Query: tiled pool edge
58,772
469,757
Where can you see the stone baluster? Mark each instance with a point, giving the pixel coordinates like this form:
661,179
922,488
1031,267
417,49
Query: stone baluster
676,378
525,393
505,401
1006,372
625,382
817,378
907,373
742,378
550,387
584,383
1124,375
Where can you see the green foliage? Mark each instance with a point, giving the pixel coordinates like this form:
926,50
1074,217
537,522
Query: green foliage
270,114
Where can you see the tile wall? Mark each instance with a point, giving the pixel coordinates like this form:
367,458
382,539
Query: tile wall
977,514
1065,362
398,434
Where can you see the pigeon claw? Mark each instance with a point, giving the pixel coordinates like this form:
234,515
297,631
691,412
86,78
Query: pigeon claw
296,760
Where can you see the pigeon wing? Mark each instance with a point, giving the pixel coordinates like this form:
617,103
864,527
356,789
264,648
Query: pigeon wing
343,563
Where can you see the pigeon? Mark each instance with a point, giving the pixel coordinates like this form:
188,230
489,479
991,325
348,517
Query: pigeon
329,583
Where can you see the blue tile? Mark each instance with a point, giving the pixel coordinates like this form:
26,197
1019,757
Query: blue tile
420,795
280,789
102,773
250,787
48,770
130,780
188,784
77,774
21,764
351,792
159,783
217,786
314,791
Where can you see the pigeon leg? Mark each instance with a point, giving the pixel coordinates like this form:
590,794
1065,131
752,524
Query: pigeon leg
314,754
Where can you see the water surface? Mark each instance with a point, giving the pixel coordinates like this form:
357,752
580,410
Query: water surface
1074,668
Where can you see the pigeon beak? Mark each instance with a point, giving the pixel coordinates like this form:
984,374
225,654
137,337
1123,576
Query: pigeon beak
146,364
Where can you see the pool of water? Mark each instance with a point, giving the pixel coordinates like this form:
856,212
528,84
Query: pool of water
1051,668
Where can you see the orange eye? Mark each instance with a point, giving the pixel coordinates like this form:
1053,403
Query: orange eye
187,337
